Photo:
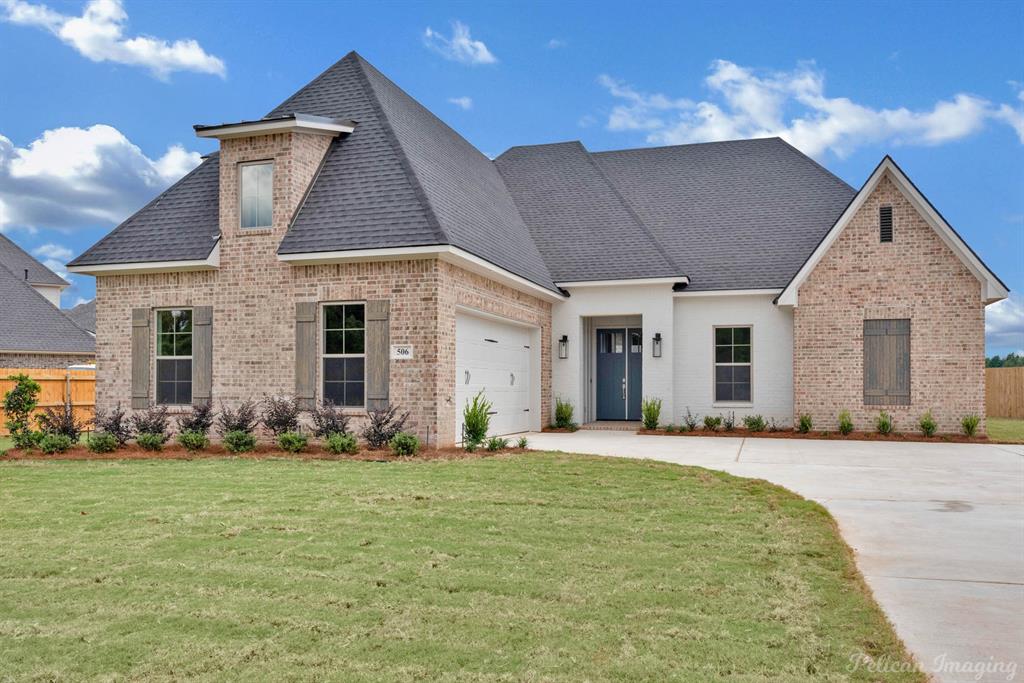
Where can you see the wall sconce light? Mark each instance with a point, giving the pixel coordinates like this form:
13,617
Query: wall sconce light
563,347
656,345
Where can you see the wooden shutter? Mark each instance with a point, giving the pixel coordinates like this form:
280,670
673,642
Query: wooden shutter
886,362
378,357
142,342
202,355
305,353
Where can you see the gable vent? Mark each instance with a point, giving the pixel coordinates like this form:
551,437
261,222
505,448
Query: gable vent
885,223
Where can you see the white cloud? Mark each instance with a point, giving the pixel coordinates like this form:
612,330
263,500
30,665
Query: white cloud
1004,323
555,43
463,102
81,177
53,251
98,34
745,103
460,47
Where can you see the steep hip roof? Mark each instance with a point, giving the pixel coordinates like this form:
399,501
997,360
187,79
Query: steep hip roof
33,325
402,178
18,261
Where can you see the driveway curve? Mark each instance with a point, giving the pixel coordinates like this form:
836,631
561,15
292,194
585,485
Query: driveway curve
937,529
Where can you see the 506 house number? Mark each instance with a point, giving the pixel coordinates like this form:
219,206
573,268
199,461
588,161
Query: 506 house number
401,351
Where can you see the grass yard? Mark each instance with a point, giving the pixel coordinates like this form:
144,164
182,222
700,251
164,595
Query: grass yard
1005,429
529,567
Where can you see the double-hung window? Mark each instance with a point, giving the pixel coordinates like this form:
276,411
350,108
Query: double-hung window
256,192
174,356
344,355
732,364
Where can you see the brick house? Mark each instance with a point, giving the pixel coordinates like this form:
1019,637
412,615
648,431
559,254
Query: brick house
350,247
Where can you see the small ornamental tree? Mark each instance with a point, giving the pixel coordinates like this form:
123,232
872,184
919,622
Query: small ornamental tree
19,403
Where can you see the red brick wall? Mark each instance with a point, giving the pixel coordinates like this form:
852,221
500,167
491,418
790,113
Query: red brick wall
917,277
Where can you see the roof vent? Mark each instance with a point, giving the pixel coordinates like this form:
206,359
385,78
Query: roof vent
26,273
885,223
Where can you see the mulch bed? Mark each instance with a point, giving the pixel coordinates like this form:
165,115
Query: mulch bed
830,436
262,452
560,430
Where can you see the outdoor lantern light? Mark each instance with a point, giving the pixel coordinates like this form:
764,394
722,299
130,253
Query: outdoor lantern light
656,345
563,347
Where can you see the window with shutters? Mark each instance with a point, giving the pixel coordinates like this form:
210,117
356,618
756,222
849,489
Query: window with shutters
344,354
886,362
732,364
885,224
174,356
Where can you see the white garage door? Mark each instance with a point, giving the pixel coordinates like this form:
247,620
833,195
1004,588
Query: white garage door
493,357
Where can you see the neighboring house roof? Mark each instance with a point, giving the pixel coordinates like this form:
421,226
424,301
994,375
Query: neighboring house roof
402,178
33,325
84,315
18,261
181,224
995,289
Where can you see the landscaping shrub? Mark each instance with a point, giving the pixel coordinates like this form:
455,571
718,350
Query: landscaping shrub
238,441
151,441
883,423
54,442
19,403
670,428
101,442
152,421
383,425
754,423
328,419
193,440
61,420
242,419
522,443
845,423
496,443
563,414
804,424
199,420
476,420
293,442
689,421
773,426
404,443
729,421
969,424
650,412
927,424
712,422
281,414
339,443
116,424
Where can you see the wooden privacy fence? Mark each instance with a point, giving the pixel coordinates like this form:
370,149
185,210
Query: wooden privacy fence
56,385
1004,392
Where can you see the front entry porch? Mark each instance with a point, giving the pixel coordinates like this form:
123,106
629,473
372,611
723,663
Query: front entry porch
613,371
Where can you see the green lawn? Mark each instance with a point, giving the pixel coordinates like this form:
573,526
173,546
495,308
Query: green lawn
1005,429
530,567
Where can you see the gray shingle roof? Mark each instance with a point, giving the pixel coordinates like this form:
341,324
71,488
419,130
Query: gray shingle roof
84,315
577,218
181,224
31,323
403,178
734,215
17,261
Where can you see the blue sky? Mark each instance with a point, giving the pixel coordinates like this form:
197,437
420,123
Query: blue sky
98,98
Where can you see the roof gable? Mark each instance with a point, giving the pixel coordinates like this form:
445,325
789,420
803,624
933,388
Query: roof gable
994,290
20,263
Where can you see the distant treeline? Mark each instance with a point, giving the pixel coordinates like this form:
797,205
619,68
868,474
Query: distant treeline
1012,360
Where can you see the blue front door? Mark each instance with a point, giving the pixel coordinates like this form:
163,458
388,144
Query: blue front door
619,372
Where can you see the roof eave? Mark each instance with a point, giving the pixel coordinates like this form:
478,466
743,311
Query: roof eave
293,123
211,262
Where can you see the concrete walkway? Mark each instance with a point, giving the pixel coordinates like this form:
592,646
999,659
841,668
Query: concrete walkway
938,529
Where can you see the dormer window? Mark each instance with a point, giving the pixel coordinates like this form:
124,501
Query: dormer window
256,183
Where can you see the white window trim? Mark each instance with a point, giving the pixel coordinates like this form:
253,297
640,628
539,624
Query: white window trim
156,351
714,366
322,349
241,194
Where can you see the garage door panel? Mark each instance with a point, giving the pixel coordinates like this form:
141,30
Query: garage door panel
497,357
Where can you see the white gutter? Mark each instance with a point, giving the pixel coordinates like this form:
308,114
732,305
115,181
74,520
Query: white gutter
626,283
211,262
298,123
442,252
730,292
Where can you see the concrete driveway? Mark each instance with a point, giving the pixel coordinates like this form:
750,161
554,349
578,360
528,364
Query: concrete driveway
938,529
